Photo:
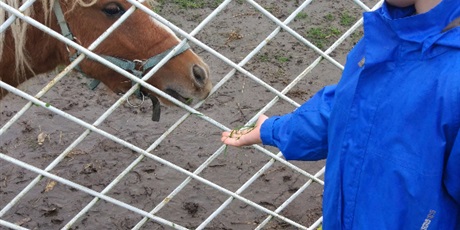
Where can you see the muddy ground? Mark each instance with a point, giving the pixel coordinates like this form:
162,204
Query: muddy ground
97,161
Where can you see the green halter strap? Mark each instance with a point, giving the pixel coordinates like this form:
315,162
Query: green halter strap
131,66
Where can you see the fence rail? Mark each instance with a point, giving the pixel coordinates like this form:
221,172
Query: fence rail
41,169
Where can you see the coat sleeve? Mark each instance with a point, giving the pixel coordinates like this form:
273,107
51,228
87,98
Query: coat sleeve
452,171
302,134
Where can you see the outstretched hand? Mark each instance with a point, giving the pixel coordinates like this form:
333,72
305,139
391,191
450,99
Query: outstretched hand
246,136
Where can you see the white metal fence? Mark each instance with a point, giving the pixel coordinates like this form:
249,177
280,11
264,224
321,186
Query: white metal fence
101,167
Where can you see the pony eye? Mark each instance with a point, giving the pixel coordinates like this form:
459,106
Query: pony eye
113,10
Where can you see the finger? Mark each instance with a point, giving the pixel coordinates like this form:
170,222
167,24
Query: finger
228,134
233,133
224,138
232,142
229,139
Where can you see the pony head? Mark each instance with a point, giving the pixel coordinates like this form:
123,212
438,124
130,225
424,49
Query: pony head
139,37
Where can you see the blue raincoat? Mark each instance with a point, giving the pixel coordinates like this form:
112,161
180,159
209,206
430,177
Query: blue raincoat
390,128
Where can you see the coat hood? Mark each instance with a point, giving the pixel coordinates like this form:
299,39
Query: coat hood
391,26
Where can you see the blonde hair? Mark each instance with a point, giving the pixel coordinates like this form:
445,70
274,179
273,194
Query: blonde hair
19,29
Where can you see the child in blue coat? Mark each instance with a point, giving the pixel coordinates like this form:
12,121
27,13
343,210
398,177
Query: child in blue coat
390,128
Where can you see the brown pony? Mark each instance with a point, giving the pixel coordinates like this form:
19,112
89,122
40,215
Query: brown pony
26,50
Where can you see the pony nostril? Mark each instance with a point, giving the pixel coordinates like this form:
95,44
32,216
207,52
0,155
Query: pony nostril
199,74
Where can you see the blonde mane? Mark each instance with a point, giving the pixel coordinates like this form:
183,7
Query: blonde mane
19,29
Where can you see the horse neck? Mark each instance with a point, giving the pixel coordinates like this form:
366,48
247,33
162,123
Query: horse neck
43,52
